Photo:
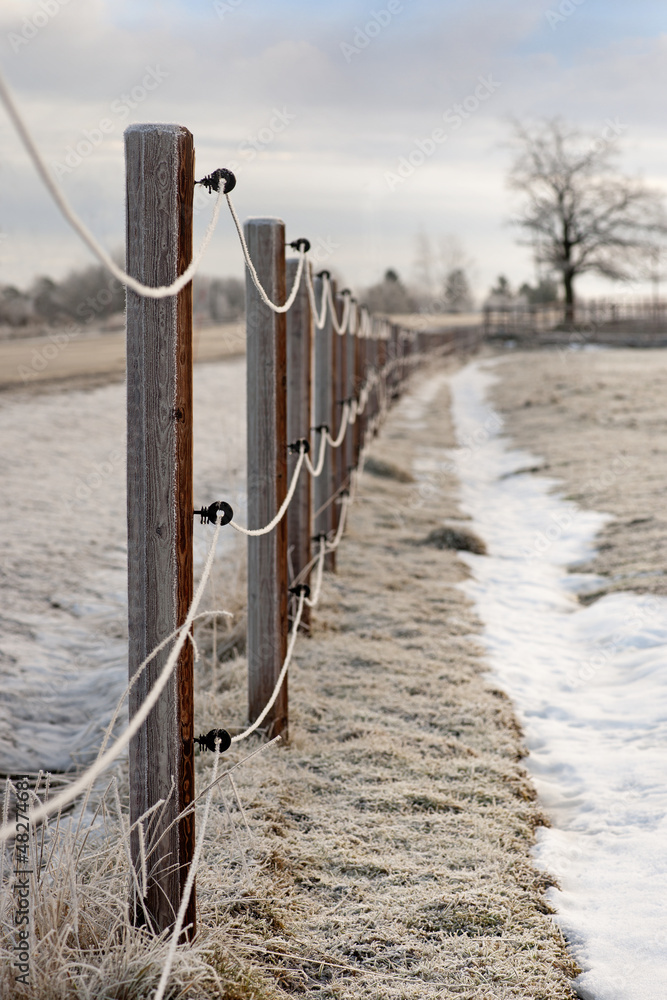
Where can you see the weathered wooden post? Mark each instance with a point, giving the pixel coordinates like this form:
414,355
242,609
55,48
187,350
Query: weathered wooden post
160,185
322,415
339,394
358,383
266,362
348,447
325,415
299,360
331,467
381,361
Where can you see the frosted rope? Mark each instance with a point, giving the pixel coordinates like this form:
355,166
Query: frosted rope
316,470
335,542
337,442
325,549
341,327
253,273
283,507
317,319
290,649
189,882
354,329
142,666
364,324
101,764
75,222
312,601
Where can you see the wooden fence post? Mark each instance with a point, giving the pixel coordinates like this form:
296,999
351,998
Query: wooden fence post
299,419
359,347
266,361
160,185
339,394
348,447
324,354
331,465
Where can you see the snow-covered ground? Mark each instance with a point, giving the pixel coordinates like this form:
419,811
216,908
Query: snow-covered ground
590,687
63,658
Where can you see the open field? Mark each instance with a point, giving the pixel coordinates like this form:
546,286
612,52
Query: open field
85,358
598,420
389,844
388,849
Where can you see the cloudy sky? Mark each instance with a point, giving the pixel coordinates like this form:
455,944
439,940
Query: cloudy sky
327,113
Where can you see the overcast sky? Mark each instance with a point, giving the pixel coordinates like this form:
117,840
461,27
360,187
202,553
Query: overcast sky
318,105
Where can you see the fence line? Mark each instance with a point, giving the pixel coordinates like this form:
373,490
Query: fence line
358,372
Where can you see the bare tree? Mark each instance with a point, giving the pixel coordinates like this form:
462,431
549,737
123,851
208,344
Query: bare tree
580,215
456,291
389,295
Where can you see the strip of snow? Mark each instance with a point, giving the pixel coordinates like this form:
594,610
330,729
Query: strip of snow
590,687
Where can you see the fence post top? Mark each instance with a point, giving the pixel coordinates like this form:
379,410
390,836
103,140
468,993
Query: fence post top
167,128
259,220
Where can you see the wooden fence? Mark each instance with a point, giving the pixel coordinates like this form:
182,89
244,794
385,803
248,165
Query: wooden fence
303,383
623,322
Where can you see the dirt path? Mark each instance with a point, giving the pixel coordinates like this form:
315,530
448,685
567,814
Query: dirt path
81,359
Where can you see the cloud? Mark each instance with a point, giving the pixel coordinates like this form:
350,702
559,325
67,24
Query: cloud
350,121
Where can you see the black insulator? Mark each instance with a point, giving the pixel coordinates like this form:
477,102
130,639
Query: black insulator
323,274
209,515
301,588
212,182
301,244
301,445
208,742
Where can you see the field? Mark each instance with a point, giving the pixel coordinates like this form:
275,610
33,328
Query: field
386,849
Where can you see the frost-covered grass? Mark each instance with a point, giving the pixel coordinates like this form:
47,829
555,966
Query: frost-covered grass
387,847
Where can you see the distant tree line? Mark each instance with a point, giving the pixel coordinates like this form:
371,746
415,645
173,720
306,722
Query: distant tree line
93,295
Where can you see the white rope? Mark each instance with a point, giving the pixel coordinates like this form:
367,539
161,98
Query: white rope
333,545
312,601
70,215
281,677
318,319
253,273
354,326
283,507
341,327
337,442
189,882
142,666
101,764
316,470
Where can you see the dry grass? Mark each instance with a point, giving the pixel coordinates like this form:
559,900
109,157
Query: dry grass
597,419
388,851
